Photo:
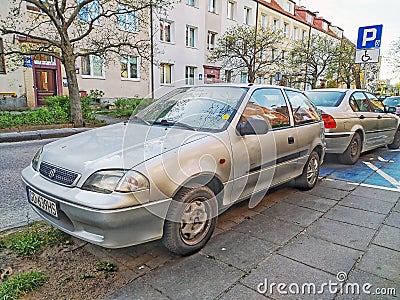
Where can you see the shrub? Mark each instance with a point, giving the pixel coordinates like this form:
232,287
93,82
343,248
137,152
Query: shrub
18,285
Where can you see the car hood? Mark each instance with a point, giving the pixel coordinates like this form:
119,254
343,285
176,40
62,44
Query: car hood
119,146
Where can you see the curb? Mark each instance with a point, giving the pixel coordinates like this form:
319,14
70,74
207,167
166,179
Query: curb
10,137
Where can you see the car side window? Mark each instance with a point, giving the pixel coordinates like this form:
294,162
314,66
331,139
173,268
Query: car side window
359,102
303,109
270,105
377,105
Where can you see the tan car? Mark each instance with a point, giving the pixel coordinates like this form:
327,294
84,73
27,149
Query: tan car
177,164
355,121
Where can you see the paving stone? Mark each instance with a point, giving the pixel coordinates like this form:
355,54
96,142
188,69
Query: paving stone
337,184
342,233
240,292
270,229
321,254
193,276
355,216
311,202
359,279
138,290
382,262
292,213
388,237
393,220
397,207
375,205
232,248
389,196
278,269
326,192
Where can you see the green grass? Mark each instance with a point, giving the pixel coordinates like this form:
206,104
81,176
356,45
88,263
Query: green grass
33,239
106,268
20,284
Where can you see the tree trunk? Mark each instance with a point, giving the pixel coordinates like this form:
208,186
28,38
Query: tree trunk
73,89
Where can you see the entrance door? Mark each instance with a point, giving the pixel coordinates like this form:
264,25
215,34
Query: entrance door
45,84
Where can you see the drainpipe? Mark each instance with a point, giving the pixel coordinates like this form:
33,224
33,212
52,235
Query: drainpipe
308,50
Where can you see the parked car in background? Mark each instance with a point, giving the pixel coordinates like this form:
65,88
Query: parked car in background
355,121
393,101
170,170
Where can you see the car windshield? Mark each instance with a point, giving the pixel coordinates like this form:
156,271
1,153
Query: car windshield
392,101
326,98
208,108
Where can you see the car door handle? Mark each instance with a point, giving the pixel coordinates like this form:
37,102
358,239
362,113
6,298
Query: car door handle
362,117
290,140
379,117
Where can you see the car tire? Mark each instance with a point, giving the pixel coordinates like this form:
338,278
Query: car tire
353,151
182,234
396,141
308,179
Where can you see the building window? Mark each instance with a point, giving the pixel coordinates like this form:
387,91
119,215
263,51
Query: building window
166,73
212,6
130,67
247,15
273,54
90,12
309,18
243,77
283,56
263,54
296,33
92,66
303,35
260,79
324,26
231,10
264,21
211,40
165,31
2,59
275,25
286,30
289,7
228,76
127,19
189,75
191,2
190,36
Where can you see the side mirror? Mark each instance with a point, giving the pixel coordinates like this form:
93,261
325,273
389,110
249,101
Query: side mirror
391,109
253,127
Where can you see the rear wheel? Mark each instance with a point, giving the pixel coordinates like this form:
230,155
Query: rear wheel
396,141
353,151
308,179
191,220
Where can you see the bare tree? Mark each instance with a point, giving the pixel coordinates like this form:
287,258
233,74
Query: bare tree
244,47
347,68
394,56
315,58
68,29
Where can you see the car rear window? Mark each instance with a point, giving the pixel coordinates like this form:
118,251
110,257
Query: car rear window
325,98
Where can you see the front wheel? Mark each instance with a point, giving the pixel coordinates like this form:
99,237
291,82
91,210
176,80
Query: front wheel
308,179
191,220
396,141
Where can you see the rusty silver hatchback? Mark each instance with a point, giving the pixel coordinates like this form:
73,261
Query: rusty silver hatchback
172,168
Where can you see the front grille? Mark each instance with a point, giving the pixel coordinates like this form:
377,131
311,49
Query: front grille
58,174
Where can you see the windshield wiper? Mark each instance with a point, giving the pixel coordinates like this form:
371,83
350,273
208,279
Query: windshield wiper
173,123
136,118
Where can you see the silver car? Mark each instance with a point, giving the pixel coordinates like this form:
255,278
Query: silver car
174,166
355,121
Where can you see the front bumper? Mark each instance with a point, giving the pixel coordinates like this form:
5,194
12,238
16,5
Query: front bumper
109,228
337,143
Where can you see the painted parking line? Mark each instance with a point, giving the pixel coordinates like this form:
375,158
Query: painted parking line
379,168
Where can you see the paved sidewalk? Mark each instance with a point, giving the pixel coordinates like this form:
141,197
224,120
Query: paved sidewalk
291,237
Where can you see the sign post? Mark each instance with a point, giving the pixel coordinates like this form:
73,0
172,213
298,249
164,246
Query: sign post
368,45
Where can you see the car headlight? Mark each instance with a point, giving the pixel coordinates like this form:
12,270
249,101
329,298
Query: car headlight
35,159
108,181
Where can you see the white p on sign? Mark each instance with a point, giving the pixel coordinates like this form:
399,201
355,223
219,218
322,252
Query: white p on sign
369,37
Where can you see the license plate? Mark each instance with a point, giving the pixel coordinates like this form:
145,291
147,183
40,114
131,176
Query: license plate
47,205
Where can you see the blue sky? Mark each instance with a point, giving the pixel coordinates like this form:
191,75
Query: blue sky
352,14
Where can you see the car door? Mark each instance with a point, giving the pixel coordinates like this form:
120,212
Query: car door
264,160
307,123
387,123
368,120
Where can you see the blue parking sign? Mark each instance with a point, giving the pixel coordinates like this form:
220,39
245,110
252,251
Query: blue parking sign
369,37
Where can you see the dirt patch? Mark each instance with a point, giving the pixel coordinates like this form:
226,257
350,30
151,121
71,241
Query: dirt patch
73,272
